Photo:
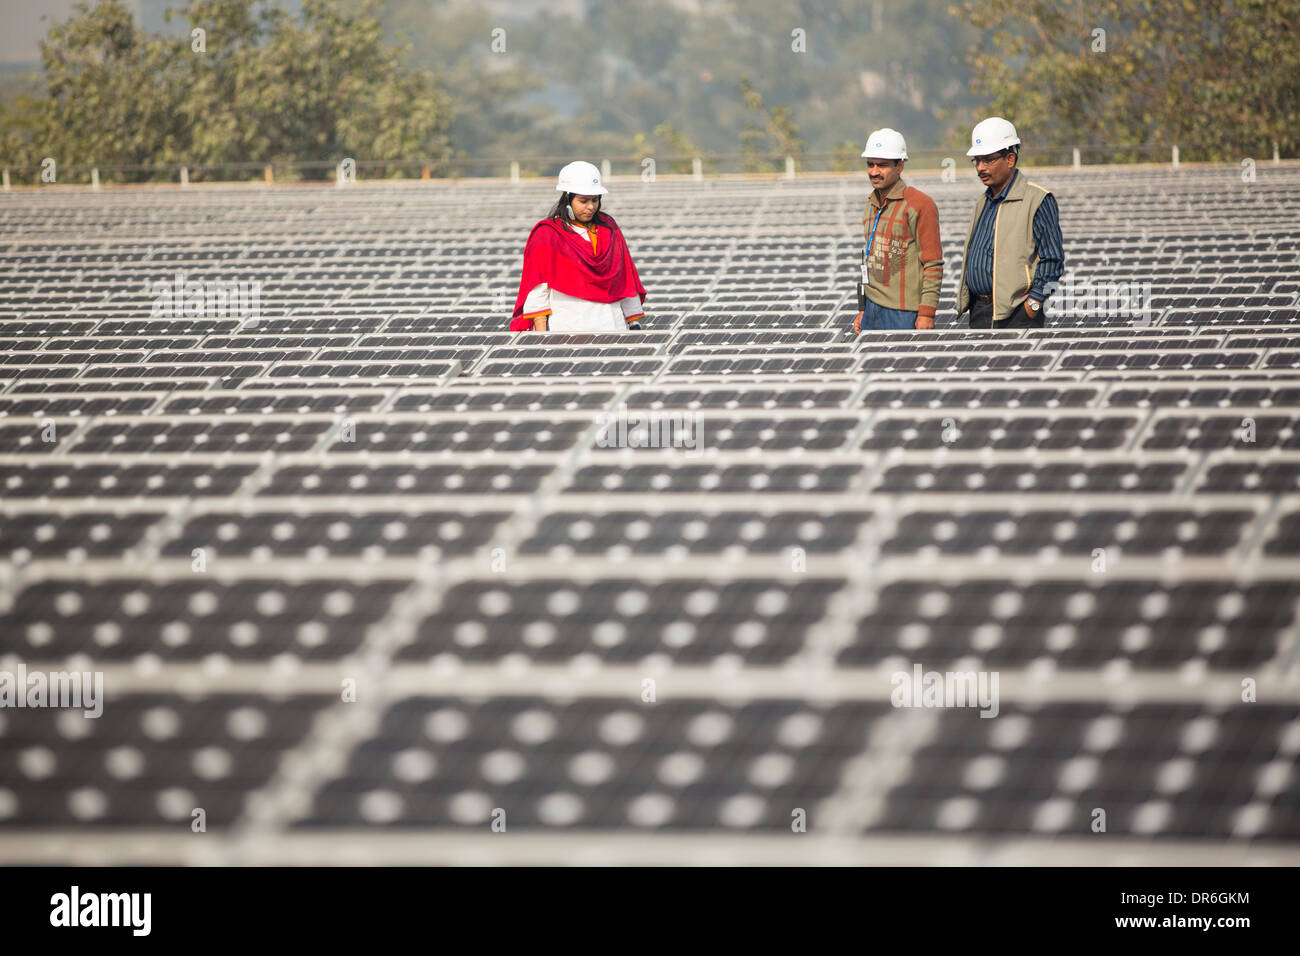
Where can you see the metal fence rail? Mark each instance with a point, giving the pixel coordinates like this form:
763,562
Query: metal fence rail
647,166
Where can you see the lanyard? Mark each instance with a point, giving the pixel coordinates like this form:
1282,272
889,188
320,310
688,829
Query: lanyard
866,251
871,241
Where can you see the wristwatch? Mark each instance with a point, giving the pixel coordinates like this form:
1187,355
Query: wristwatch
1032,307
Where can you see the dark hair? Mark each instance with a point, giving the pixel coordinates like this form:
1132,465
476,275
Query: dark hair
557,211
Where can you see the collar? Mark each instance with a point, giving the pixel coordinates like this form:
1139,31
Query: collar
1005,189
588,230
895,192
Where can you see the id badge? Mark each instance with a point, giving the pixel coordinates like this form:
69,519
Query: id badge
866,275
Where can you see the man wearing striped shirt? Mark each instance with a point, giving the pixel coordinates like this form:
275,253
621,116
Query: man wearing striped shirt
1014,253
902,264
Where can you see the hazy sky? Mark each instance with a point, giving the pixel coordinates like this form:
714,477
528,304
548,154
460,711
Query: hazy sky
22,26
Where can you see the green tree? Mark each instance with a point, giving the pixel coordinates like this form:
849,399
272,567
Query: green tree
769,130
668,141
111,92
259,86
21,123
1221,76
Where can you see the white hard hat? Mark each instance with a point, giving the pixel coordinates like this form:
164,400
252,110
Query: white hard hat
582,179
885,144
992,135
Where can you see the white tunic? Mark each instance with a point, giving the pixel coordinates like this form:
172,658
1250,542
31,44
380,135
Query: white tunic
571,314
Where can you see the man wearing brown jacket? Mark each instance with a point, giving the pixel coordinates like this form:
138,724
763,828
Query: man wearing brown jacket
902,264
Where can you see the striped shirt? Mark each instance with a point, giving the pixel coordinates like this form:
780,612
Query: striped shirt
1047,240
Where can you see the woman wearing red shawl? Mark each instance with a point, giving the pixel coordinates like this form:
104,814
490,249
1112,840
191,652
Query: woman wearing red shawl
578,274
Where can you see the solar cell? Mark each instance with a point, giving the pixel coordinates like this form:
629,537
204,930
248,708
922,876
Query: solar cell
227,513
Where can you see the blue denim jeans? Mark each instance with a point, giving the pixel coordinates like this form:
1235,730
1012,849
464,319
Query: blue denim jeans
876,318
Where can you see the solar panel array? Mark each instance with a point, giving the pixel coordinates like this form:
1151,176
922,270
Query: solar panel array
369,581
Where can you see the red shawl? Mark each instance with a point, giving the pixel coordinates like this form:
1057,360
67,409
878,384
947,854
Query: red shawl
563,259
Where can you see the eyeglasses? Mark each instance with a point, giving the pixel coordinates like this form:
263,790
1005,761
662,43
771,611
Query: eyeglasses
988,160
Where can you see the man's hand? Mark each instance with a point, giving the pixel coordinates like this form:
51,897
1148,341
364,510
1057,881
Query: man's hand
539,323
857,324
924,322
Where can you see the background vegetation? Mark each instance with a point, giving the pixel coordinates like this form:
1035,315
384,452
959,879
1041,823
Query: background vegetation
448,84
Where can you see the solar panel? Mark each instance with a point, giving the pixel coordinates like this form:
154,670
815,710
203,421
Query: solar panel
767,517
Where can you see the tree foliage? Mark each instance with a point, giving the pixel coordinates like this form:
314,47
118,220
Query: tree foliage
256,86
406,79
603,83
768,130
1218,75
